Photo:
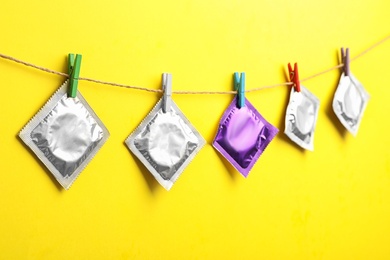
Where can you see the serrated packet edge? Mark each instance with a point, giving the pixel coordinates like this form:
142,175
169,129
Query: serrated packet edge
24,135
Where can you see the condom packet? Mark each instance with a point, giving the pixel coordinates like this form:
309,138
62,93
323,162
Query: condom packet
301,117
165,142
65,135
243,135
349,102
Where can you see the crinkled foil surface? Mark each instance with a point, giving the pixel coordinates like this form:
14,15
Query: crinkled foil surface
67,135
349,102
165,143
301,117
243,135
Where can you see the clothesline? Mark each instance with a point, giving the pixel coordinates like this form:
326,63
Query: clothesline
28,64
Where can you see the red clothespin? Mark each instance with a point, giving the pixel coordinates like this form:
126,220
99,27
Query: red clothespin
345,60
294,77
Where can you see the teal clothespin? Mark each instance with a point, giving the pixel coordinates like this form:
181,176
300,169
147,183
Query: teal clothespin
239,85
74,71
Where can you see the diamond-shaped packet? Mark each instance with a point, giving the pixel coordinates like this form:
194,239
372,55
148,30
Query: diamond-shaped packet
350,99
349,102
301,117
165,142
243,135
65,135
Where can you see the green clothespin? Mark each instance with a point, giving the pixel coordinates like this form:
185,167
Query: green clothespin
74,71
239,85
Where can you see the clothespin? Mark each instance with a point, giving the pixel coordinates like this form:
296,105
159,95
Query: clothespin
74,71
167,89
294,77
239,85
345,60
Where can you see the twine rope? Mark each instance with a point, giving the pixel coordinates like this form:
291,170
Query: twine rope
47,70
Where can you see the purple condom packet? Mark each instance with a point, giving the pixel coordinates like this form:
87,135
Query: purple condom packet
243,135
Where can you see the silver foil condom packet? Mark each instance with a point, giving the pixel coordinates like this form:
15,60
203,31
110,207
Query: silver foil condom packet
65,135
165,142
301,117
349,102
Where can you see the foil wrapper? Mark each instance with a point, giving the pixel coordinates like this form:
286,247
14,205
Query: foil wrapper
165,143
243,135
301,117
349,102
65,135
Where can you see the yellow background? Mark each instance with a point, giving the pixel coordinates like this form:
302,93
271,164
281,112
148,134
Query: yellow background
333,203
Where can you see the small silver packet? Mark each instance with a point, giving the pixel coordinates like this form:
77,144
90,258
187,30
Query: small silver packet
65,135
301,117
349,102
165,142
